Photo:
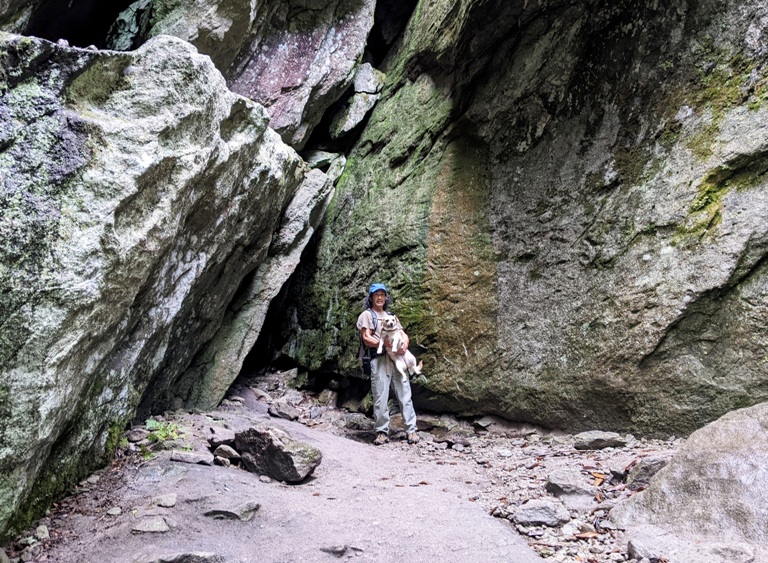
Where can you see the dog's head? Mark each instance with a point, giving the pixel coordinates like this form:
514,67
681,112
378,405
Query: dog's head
389,323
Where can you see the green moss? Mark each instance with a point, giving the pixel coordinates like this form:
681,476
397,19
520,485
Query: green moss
723,87
706,210
114,437
702,143
98,82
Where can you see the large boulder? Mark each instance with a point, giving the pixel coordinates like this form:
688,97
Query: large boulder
271,451
296,58
568,202
137,194
710,500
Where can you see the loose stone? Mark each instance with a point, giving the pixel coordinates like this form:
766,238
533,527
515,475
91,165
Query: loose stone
542,512
203,458
166,501
152,524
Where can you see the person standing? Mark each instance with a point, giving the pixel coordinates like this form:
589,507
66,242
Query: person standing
369,325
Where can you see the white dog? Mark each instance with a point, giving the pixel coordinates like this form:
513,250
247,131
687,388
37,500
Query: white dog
391,340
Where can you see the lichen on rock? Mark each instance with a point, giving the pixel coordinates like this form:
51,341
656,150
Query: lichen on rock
138,193
617,151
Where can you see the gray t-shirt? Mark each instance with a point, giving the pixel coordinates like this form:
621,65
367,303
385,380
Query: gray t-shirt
365,321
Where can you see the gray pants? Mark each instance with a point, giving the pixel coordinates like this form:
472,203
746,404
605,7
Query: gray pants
380,383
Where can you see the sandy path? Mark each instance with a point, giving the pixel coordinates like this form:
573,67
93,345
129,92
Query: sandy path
390,503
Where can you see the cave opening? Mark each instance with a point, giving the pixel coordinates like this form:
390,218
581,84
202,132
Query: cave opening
274,355
80,22
389,21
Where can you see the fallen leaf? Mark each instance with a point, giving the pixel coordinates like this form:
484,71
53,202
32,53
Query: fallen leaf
598,481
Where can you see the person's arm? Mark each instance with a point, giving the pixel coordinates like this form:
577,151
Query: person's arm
404,340
369,339
404,343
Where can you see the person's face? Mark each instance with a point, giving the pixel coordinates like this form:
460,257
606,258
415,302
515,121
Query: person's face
379,298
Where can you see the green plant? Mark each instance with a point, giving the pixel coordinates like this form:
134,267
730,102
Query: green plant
146,453
162,430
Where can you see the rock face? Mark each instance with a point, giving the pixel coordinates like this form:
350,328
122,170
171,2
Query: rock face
712,492
296,58
568,202
15,14
137,194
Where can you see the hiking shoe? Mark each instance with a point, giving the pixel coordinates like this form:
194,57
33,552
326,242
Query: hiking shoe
381,439
413,438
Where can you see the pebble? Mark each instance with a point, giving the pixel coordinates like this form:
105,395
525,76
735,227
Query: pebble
510,466
41,533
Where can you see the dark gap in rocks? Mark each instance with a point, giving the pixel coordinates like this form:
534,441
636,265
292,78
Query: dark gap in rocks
389,22
272,351
282,320
81,22
321,139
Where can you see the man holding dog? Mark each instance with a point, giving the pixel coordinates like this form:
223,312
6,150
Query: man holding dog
383,373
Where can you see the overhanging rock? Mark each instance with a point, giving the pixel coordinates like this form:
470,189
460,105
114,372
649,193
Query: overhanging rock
137,193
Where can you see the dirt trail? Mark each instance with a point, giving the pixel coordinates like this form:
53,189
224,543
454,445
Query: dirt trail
363,502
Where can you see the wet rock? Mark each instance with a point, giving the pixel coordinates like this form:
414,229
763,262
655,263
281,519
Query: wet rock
202,458
267,450
358,421
244,512
597,440
542,512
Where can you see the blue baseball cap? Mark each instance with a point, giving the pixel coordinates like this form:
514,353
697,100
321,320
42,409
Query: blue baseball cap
377,287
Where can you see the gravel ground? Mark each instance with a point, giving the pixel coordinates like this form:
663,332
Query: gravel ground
465,493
